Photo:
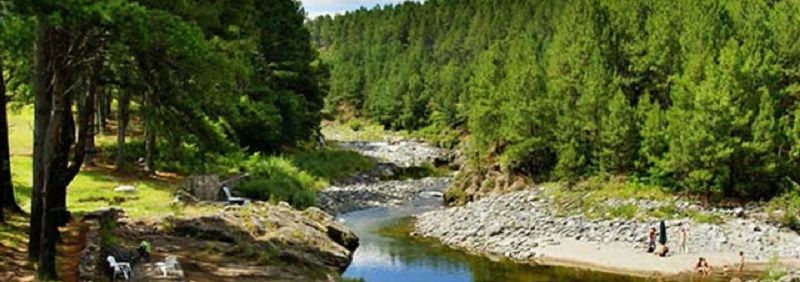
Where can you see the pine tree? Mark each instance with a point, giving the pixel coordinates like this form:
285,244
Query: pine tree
618,136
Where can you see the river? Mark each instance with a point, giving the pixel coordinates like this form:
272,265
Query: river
388,253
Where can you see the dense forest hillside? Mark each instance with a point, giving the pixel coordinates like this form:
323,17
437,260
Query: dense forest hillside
197,86
692,95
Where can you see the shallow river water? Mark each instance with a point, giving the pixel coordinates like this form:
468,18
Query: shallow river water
387,253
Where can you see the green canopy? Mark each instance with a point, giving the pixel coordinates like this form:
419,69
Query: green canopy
662,234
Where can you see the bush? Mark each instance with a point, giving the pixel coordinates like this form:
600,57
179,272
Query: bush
277,189
625,211
785,209
332,164
417,172
355,125
277,179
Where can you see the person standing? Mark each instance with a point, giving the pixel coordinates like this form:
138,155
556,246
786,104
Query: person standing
651,240
741,262
682,239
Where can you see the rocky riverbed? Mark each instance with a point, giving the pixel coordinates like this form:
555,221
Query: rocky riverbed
367,189
400,153
336,200
523,225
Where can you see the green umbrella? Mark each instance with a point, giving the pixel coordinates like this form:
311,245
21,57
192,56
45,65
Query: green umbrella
662,234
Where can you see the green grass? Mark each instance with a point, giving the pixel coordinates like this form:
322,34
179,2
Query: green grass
417,172
785,209
625,211
357,129
90,190
591,196
332,163
20,131
702,217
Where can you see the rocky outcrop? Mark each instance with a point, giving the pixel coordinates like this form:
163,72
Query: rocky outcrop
202,187
516,224
310,237
473,183
254,242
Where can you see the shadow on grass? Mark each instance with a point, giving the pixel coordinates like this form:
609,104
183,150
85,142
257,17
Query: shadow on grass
22,193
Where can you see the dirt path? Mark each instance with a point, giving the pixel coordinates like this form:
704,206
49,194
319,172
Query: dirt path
14,265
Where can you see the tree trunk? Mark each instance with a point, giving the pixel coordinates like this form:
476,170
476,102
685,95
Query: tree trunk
150,135
150,151
5,162
104,111
91,148
42,107
7,199
122,124
53,159
89,105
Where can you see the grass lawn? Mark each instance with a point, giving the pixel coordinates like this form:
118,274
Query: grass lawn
93,188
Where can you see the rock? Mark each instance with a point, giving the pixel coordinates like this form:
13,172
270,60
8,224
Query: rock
203,187
125,189
312,237
432,194
738,212
494,229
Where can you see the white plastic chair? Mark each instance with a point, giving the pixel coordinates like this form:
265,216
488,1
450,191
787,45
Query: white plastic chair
122,268
170,263
230,198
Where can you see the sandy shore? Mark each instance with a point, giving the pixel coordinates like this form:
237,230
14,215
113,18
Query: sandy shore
620,258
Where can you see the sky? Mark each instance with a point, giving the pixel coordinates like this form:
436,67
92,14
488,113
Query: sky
316,8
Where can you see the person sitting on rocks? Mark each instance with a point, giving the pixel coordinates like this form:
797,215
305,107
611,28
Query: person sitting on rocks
651,240
662,251
703,268
144,251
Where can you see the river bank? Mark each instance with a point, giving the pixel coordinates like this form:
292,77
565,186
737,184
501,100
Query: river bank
526,227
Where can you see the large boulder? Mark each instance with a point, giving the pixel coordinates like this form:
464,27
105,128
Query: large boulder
311,237
203,187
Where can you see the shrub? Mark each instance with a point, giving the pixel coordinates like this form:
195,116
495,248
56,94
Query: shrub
417,172
278,189
355,125
625,211
276,179
785,209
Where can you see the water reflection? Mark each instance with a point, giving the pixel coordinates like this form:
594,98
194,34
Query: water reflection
388,254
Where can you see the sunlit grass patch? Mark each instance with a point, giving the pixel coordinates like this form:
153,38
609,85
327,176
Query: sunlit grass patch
20,131
92,190
332,163
357,129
